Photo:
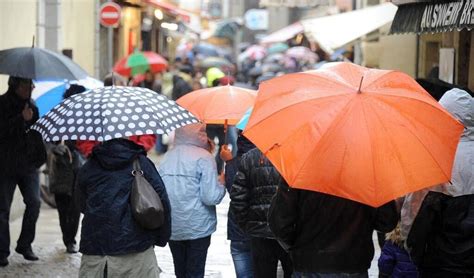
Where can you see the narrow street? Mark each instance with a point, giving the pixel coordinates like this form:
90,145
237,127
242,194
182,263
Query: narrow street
54,262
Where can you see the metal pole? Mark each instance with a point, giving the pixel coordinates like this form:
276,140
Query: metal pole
110,37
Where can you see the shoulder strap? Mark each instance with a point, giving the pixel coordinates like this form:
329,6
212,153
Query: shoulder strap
136,165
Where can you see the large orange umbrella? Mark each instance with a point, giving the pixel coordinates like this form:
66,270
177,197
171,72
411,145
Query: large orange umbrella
363,134
219,105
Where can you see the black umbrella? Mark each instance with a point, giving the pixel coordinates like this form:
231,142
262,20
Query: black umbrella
437,87
206,49
38,63
112,112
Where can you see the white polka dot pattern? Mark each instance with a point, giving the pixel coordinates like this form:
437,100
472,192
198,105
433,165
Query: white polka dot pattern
112,112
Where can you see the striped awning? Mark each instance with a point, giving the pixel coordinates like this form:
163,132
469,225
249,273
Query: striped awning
433,17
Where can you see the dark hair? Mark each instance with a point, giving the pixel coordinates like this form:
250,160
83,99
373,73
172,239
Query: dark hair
14,81
74,89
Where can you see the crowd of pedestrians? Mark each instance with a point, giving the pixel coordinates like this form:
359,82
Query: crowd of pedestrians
429,233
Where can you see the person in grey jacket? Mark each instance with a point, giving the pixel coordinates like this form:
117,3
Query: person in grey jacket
190,175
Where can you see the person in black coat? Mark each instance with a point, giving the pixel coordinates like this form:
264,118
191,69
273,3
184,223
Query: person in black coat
239,241
255,184
22,152
327,234
64,161
103,194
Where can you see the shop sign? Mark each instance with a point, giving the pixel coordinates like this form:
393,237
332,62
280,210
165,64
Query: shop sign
442,16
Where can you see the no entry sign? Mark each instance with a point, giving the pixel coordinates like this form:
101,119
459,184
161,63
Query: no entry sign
110,14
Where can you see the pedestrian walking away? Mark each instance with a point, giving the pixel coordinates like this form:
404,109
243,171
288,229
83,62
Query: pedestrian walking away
23,152
190,175
439,221
64,161
112,241
240,246
323,244
255,184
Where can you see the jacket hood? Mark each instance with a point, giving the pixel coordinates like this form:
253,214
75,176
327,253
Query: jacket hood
194,134
461,105
116,153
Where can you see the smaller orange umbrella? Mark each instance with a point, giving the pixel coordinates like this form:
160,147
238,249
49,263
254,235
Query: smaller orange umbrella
219,105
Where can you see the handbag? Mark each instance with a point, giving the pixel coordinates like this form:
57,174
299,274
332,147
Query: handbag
147,208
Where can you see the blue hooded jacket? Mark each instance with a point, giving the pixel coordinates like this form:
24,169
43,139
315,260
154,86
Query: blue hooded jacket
190,174
103,195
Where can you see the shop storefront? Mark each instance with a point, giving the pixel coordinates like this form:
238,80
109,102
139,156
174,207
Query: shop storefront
445,40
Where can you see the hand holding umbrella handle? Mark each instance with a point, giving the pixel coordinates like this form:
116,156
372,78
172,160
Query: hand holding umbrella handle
27,113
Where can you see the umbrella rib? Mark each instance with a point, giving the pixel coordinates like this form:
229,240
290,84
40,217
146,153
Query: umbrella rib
393,145
414,134
371,147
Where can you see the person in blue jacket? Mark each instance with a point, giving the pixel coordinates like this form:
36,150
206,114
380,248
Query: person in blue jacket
394,260
190,174
112,243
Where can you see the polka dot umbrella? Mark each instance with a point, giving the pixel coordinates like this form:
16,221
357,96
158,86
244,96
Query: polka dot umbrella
112,112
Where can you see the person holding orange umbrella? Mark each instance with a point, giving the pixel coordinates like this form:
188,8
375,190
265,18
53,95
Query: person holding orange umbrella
354,140
221,105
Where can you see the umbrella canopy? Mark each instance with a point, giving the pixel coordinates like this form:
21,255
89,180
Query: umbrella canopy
254,52
242,123
206,49
277,48
219,105
362,134
271,67
39,63
217,62
274,58
140,62
112,112
49,93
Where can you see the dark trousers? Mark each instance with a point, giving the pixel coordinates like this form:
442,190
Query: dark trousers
68,217
265,255
29,188
189,257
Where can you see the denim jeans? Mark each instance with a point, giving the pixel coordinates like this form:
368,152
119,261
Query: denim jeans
329,275
189,257
265,255
29,188
242,257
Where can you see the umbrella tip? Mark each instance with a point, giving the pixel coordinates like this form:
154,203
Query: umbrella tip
360,85
33,43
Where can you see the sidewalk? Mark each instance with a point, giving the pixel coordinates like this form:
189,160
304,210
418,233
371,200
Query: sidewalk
54,262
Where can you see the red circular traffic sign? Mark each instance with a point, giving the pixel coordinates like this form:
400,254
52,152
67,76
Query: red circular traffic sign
110,14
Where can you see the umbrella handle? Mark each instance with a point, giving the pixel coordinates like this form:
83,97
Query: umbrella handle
226,124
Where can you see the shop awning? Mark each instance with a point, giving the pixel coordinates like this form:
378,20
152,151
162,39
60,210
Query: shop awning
434,16
332,32
171,9
283,34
